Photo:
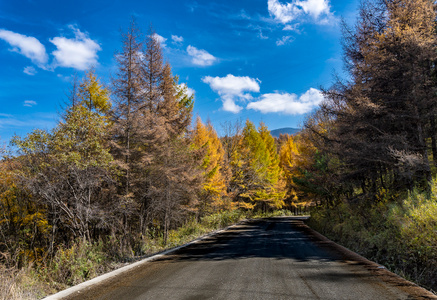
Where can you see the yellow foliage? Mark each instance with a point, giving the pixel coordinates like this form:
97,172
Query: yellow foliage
213,165
22,219
296,155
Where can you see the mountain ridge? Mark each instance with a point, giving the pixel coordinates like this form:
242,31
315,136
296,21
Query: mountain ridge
284,130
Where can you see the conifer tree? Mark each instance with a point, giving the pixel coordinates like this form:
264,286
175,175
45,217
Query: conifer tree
167,178
69,170
251,180
93,94
274,170
215,171
151,72
379,117
126,91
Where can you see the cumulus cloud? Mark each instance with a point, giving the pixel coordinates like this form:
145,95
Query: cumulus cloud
160,39
29,70
289,104
233,88
200,57
315,8
318,10
29,103
284,13
78,53
28,46
177,39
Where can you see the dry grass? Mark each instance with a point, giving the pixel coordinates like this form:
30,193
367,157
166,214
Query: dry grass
17,284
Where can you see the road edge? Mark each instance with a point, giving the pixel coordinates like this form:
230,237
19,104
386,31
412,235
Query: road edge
349,257
76,289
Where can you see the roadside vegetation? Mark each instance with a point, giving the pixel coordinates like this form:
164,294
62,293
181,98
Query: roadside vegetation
369,153
127,172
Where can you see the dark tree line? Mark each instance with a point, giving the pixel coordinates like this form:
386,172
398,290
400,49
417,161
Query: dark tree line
378,127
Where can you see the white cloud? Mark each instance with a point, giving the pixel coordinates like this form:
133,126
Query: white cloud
233,88
200,57
28,46
230,105
29,103
294,27
29,71
261,36
177,39
318,10
289,104
284,13
315,8
160,39
232,85
284,40
78,53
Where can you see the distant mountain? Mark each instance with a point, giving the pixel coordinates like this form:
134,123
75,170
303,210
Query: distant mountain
288,130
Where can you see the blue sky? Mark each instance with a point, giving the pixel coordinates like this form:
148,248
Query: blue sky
259,59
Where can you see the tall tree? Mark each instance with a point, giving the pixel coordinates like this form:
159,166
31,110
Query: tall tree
152,72
379,116
215,169
126,91
252,180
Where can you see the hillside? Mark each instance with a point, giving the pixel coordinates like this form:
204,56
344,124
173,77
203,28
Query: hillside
285,130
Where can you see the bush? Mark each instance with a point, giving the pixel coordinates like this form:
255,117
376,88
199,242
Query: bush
78,263
401,235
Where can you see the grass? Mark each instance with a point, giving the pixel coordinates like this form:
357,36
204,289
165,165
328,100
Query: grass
399,234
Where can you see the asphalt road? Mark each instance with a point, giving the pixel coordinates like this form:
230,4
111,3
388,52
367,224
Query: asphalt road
268,259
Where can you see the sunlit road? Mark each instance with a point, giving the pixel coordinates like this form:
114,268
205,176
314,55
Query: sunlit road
269,259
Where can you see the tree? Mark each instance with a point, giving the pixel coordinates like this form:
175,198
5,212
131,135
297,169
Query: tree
152,72
253,171
126,90
214,166
70,170
273,169
93,94
377,120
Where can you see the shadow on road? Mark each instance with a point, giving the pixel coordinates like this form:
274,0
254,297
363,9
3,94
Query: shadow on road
278,238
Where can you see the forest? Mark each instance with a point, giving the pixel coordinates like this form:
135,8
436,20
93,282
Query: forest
128,171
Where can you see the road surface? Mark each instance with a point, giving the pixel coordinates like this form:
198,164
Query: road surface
267,259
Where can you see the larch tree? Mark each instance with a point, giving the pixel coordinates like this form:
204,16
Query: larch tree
275,190
126,92
152,72
379,117
251,179
93,94
70,170
215,171
169,180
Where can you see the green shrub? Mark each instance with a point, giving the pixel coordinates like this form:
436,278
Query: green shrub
78,263
399,234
